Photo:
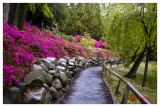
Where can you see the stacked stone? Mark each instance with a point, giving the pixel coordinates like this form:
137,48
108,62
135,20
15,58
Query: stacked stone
47,81
95,61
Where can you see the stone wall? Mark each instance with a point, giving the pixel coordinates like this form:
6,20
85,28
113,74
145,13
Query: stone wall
47,81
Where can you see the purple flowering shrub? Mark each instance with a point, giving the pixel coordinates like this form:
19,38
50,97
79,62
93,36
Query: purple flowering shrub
108,47
78,38
102,54
99,44
20,48
16,54
75,49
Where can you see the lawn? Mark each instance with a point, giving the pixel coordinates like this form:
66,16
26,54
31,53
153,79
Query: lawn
149,91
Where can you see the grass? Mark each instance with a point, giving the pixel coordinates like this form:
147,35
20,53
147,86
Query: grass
150,89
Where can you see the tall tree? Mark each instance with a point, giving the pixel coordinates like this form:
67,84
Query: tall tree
5,12
17,13
21,14
13,14
133,30
62,15
40,14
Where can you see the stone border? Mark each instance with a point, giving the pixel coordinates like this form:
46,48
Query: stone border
48,80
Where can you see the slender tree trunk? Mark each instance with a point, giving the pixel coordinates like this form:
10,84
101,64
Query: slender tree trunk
6,7
132,72
145,71
13,14
21,14
133,57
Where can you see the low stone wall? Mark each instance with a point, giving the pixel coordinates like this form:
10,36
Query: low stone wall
48,80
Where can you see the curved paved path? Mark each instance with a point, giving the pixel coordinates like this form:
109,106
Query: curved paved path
88,87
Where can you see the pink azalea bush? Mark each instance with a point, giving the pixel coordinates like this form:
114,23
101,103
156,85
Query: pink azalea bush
102,54
77,38
20,48
108,47
99,44
75,49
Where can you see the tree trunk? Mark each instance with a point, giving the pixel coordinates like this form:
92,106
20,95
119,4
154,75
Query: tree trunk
132,72
5,12
133,57
13,14
145,71
21,14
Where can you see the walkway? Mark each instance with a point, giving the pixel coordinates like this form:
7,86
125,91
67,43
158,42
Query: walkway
88,87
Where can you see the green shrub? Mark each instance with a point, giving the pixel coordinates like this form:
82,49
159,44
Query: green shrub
70,38
87,35
86,42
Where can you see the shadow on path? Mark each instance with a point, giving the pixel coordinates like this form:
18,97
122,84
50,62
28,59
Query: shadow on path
88,87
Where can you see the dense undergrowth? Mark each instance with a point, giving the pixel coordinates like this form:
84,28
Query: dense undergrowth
21,48
149,91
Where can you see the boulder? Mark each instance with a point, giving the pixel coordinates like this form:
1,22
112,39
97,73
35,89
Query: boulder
75,70
60,68
66,89
53,60
45,64
71,68
46,86
11,95
36,96
80,65
53,92
66,57
35,77
62,63
69,74
71,63
48,78
60,93
87,64
72,73
49,98
54,73
22,86
63,78
62,60
73,60
57,84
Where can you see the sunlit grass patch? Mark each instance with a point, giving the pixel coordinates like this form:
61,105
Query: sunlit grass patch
149,91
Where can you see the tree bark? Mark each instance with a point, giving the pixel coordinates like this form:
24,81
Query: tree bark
6,7
133,57
13,14
132,72
21,14
145,71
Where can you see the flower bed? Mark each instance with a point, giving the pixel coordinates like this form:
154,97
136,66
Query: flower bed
21,48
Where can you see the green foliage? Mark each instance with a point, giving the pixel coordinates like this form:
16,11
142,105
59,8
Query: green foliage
41,7
46,11
61,14
64,36
74,19
68,37
87,35
86,42
126,31
151,84
32,7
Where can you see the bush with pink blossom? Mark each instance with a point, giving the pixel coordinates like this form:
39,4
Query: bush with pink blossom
20,48
78,38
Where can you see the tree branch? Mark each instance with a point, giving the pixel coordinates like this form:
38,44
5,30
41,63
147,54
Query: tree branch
144,25
154,42
152,26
